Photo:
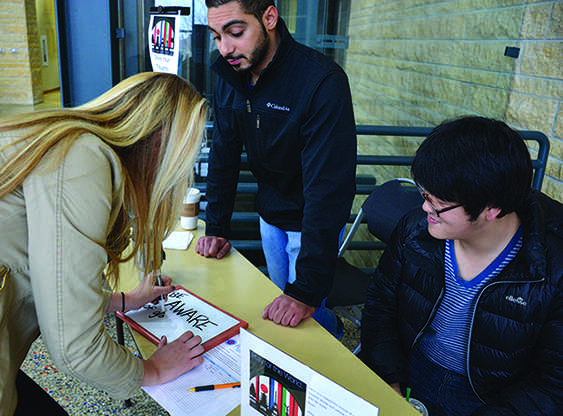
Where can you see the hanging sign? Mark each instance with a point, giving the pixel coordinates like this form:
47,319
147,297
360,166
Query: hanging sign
163,47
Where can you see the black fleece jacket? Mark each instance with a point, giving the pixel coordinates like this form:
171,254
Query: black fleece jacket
297,127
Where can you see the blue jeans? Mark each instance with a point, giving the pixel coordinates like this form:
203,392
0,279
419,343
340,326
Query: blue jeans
443,392
281,249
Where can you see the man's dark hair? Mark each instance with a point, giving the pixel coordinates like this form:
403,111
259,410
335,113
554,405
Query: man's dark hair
254,7
476,162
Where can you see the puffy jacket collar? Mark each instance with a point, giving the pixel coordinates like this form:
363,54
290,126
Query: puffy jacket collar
420,247
239,80
540,217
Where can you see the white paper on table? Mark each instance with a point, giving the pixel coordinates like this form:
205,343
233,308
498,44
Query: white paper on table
272,379
221,365
178,240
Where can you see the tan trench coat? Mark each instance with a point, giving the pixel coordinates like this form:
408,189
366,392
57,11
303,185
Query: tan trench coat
49,227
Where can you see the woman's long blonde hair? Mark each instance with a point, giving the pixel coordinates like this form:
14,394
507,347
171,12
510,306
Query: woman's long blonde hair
155,123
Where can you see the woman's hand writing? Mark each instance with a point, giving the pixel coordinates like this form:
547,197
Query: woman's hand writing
142,294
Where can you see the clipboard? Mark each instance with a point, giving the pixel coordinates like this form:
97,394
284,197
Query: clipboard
184,311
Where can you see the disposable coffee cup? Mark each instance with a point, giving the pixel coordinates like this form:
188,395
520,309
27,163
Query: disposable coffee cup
190,209
417,404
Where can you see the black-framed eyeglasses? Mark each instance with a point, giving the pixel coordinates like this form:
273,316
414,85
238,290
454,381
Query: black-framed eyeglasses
435,210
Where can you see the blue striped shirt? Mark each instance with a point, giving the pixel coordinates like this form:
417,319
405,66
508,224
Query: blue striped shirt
446,341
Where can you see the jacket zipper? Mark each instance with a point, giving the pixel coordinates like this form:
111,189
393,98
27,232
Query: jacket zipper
249,110
430,318
473,320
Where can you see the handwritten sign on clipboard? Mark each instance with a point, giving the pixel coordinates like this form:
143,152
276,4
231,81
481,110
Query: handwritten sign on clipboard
184,311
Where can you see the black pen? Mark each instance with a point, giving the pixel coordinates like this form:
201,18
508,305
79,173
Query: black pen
159,282
215,387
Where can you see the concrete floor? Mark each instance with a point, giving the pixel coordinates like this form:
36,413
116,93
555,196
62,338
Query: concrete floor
51,99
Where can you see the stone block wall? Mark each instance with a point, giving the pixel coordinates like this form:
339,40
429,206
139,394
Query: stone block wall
20,54
419,62
47,29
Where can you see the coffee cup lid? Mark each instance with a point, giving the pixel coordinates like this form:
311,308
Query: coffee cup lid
193,195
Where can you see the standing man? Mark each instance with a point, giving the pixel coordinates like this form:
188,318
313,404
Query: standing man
290,108
466,306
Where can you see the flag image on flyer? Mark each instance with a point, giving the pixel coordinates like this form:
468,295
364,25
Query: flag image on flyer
274,383
273,391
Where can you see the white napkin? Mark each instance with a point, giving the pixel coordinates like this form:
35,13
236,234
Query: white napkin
178,240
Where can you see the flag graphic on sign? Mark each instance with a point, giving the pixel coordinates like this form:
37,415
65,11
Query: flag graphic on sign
162,38
273,391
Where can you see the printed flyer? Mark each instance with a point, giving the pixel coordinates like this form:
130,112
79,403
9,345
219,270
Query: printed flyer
275,384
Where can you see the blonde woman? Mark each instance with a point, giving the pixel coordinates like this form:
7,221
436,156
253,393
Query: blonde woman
73,182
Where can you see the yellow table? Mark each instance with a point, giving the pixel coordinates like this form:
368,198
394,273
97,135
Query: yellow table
238,287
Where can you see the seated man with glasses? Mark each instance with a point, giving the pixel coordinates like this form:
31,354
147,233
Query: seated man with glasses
466,305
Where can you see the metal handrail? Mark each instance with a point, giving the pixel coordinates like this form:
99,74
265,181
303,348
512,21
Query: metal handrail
539,163
364,186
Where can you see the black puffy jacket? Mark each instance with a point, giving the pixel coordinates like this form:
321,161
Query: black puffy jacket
515,357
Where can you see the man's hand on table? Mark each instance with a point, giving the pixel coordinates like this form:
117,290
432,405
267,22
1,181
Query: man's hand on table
210,246
397,388
286,311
